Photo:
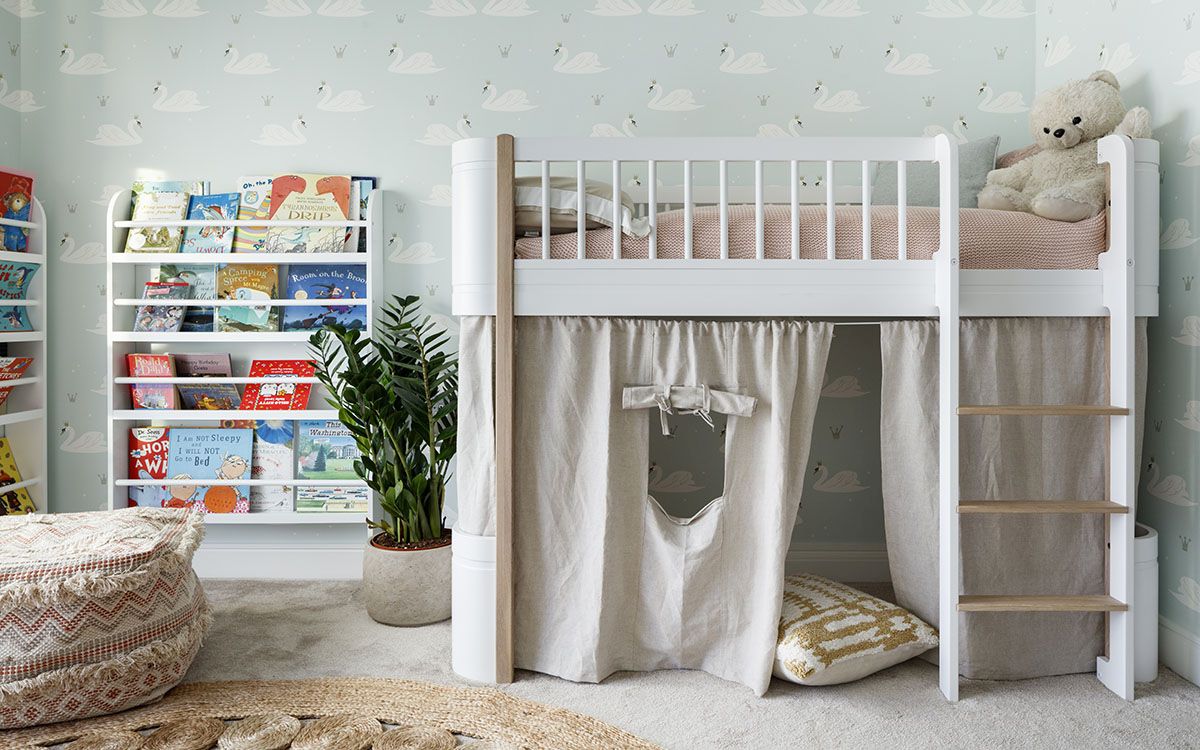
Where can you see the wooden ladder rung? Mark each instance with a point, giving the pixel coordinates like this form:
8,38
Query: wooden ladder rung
1042,410
1072,603
1041,506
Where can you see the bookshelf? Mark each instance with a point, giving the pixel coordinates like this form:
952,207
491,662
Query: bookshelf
280,549
24,414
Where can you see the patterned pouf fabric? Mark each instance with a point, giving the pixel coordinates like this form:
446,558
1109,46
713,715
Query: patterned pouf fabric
99,612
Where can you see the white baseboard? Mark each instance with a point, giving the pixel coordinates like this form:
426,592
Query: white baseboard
1179,650
849,563
333,562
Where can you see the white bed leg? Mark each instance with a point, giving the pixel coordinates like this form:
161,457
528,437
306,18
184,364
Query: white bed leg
473,607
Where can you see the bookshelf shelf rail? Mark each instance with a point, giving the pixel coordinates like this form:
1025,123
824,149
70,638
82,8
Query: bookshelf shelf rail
266,223
315,302
23,484
205,415
241,483
209,380
150,259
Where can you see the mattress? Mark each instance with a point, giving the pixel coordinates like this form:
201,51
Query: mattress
987,239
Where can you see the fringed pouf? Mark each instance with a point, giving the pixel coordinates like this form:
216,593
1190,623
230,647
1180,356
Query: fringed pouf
99,612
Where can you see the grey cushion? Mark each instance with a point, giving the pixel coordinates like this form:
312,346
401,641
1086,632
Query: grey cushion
975,160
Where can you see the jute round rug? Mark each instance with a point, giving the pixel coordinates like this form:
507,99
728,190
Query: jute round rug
350,713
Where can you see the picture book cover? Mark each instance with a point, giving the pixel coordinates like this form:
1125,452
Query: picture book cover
148,448
213,239
191,187
202,284
13,502
361,193
325,450
303,197
282,395
327,284
151,395
350,498
255,203
273,459
161,318
12,368
217,396
15,279
157,207
202,453
16,203
249,283
206,365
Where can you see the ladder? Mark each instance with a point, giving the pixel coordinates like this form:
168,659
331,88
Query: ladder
1115,668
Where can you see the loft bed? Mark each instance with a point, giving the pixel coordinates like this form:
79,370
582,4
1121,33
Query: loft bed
796,251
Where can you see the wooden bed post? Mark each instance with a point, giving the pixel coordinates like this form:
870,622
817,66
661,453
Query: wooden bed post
505,364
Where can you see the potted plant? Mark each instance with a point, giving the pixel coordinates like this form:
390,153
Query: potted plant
397,394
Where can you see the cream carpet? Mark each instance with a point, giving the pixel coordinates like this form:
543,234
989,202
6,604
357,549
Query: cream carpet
278,630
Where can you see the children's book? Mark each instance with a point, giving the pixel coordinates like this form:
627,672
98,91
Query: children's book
349,498
325,449
15,279
148,448
273,459
282,395
13,502
207,365
251,283
12,368
202,284
326,284
255,203
191,187
217,396
305,197
361,187
16,203
152,206
212,239
202,453
161,318
151,395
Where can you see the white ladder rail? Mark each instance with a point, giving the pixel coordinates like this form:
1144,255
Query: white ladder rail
947,301
1115,669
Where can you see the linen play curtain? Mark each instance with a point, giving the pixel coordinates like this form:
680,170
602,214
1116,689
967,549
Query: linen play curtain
1004,361
605,579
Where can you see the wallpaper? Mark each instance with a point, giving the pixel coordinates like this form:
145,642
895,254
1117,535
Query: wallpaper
215,90
1155,47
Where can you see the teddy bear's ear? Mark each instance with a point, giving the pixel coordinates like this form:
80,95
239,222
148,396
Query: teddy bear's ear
1107,77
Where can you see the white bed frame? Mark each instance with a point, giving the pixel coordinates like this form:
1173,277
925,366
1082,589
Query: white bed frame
488,281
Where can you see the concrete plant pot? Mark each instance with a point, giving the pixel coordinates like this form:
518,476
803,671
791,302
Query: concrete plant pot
408,585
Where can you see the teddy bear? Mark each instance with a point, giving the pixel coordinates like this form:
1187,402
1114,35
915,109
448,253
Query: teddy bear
1063,181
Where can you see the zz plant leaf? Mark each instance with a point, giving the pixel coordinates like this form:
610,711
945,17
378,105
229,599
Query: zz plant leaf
397,394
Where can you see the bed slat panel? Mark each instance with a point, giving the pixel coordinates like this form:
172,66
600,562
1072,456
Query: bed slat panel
794,191
617,209
546,210
866,210
830,233
687,210
759,234
580,210
723,187
902,207
652,200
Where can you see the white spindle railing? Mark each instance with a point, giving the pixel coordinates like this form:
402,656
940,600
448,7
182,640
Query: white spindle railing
545,210
866,210
726,195
580,210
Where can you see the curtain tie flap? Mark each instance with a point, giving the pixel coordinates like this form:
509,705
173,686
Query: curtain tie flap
698,400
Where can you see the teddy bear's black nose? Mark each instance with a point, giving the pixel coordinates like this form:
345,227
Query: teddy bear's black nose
1059,133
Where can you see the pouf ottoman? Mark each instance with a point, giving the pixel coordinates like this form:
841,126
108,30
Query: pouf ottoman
99,612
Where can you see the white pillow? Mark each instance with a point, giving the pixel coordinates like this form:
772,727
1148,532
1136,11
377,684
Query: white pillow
830,633
597,205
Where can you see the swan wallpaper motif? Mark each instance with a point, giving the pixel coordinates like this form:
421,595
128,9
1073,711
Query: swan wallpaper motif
215,89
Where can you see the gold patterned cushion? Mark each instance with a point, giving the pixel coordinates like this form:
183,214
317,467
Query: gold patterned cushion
830,633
